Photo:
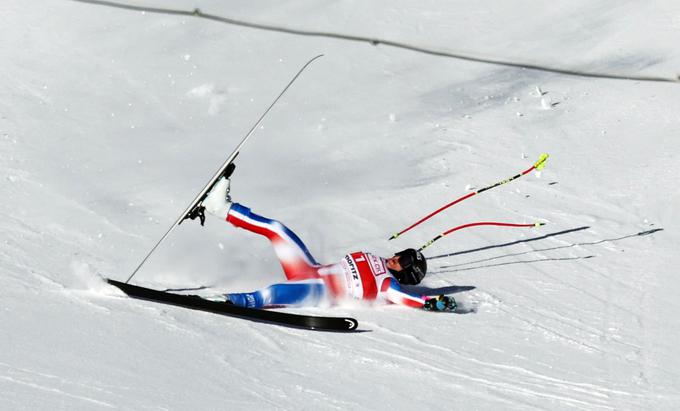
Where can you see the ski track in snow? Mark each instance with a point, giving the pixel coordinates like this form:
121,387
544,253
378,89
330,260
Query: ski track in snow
501,382
53,385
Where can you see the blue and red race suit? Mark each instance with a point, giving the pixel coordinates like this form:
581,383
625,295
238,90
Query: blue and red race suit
359,275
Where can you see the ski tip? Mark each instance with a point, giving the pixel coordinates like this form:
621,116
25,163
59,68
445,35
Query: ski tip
539,224
352,324
393,237
332,324
314,58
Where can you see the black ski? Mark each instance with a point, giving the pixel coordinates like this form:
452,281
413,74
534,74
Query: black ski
274,317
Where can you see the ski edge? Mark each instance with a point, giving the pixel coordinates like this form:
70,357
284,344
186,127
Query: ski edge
309,322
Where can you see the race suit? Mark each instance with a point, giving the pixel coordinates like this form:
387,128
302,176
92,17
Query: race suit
359,275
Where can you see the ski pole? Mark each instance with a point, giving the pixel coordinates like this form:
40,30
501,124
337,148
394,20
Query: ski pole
460,227
538,165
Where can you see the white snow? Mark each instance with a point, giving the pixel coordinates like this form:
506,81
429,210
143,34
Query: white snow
111,120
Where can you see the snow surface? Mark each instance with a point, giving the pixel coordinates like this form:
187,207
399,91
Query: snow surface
112,120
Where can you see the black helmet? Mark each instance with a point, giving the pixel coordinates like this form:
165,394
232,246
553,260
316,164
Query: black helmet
413,267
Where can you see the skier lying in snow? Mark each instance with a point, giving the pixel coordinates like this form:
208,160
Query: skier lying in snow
359,275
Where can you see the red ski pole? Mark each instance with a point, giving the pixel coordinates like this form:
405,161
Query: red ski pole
460,227
538,165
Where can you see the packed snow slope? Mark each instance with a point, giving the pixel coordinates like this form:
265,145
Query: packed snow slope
112,120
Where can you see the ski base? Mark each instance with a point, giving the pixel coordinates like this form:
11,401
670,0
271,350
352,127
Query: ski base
309,322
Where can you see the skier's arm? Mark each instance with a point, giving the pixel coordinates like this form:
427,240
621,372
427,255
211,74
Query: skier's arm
393,292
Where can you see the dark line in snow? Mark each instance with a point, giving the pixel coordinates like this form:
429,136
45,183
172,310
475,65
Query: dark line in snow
538,260
378,41
451,268
488,247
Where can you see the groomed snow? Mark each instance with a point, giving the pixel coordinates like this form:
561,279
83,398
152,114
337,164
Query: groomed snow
111,120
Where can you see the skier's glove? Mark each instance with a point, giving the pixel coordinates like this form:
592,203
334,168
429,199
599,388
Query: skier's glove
440,303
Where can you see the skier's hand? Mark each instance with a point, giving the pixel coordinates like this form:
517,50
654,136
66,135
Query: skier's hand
440,303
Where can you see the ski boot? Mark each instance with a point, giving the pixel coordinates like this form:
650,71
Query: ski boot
218,201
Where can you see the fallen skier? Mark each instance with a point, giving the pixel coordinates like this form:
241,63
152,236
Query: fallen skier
358,275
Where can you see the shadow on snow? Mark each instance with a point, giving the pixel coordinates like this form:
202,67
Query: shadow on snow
453,267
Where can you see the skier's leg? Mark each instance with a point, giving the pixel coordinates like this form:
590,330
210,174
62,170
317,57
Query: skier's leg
298,263
292,293
294,256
